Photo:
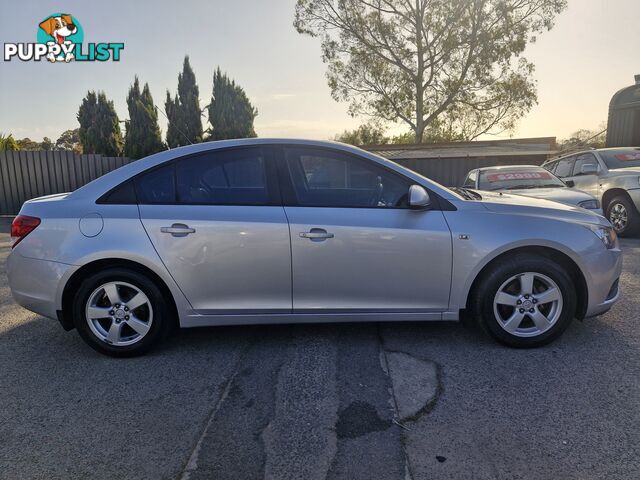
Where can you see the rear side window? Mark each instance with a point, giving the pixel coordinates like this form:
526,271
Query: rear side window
550,166
123,194
157,186
227,177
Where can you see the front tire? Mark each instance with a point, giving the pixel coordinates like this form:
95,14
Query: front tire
525,301
624,216
120,312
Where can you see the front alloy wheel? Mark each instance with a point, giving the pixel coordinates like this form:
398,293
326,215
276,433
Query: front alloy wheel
528,304
524,300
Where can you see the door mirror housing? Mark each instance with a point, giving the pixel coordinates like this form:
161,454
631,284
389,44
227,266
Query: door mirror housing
588,169
418,197
570,183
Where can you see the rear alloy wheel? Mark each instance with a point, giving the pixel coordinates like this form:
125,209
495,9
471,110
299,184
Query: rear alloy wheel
120,312
623,216
525,301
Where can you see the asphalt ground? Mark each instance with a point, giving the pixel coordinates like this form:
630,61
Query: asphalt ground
340,401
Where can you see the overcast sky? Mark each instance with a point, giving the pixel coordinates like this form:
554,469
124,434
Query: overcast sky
591,53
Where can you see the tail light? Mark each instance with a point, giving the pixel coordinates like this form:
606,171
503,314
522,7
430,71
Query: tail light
22,226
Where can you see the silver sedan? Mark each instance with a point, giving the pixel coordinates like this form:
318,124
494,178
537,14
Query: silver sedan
272,231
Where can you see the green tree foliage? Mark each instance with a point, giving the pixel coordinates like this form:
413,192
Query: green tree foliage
7,142
28,145
417,61
142,134
230,112
47,145
70,140
183,110
365,134
584,138
99,126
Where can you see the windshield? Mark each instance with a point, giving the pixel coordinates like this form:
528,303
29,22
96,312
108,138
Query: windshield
505,179
621,158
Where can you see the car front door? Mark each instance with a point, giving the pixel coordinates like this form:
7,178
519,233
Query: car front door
587,182
217,222
355,244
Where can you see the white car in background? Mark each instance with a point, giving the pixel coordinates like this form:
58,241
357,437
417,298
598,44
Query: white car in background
530,181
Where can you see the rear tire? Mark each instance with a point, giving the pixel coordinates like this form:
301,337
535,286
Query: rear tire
525,301
624,216
120,312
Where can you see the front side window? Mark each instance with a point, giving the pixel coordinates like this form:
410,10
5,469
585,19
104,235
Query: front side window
584,159
226,177
564,167
325,178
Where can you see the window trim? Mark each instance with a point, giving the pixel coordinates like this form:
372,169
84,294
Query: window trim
271,176
287,189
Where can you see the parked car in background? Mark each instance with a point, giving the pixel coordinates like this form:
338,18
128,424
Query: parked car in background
284,231
612,175
531,181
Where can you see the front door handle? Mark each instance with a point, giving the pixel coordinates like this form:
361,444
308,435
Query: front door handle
178,230
316,234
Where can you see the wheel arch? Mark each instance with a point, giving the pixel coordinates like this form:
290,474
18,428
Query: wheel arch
71,286
577,277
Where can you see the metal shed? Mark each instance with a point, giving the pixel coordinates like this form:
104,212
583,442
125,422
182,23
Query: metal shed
623,129
448,163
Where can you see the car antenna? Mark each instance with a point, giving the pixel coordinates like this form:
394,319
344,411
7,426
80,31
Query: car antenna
179,131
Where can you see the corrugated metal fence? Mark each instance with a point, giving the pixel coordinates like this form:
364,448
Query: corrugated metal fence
452,171
25,175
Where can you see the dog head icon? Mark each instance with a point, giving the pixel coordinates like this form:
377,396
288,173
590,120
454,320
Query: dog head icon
59,27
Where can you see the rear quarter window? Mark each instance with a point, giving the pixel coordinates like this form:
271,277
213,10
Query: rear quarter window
157,186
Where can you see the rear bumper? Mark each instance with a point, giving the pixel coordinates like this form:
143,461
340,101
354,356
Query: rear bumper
37,284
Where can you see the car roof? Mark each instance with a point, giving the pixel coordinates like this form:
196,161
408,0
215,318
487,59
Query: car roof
106,182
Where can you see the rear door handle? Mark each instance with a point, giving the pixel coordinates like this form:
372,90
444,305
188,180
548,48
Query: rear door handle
178,230
316,234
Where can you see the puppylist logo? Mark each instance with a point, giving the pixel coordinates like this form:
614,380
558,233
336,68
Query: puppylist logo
60,39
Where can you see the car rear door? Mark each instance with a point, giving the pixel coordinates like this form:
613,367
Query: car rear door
355,244
217,222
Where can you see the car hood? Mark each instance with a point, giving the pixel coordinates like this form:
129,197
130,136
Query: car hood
560,194
521,205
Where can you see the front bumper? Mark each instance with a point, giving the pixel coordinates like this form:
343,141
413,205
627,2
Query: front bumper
604,269
37,284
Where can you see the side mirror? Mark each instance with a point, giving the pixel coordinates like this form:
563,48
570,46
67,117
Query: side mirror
418,197
570,183
588,169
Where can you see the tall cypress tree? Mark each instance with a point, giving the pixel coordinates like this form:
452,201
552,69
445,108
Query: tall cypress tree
183,110
142,136
230,112
99,125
